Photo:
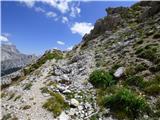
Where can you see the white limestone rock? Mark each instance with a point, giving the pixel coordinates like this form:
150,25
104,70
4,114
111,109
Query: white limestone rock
119,72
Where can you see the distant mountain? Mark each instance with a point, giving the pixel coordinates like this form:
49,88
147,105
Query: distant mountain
12,59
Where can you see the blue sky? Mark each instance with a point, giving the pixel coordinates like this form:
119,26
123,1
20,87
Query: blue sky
38,26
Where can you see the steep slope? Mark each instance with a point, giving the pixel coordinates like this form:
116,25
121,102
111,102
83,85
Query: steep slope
12,60
114,73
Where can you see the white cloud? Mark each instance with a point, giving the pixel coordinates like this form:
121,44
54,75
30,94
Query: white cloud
64,19
70,48
51,14
60,42
81,28
6,34
3,38
39,9
29,3
75,11
61,5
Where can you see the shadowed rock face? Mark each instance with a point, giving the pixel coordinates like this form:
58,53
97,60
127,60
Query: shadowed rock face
12,60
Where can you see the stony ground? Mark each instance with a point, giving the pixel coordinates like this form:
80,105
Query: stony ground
24,102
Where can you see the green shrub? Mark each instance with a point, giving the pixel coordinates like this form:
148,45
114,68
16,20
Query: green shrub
155,68
94,117
101,92
7,116
26,107
140,67
126,102
135,81
11,96
156,36
139,50
130,70
55,104
44,90
139,42
101,78
158,103
17,97
153,89
149,52
27,86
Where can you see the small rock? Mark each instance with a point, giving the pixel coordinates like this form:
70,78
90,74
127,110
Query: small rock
61,88
66,91
80,108
71,112
145,116
64,77
119,72
63,116
74,102
45,95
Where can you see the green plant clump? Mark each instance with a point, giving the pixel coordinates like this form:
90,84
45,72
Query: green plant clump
27,86
140,67
156,36
17,97
149,52
153,89
11,96
26,107
7,116
101,78
127,103
55,104
135,81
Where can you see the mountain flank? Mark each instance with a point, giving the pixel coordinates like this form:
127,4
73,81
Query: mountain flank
113,74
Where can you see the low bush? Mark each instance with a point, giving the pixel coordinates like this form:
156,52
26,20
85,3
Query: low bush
126,102
156,36
6,116
26,107
17,97
158,103
153,89
140,67
135,81
27,86
149,52
155,68
11,96
101,78
55,104
130,71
